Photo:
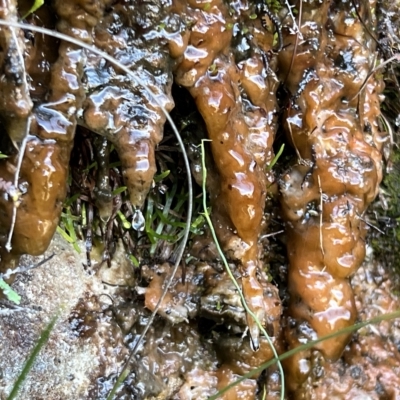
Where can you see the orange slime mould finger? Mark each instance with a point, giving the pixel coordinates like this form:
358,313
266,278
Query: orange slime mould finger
333,125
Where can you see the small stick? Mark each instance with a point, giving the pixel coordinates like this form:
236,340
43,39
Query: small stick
295,26
321,201
298,36
396,57
16,178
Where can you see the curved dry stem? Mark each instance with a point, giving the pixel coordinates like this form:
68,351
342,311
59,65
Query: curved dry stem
396,57
298,36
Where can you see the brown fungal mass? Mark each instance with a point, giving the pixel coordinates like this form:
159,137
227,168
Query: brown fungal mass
332,122
116,106
44,166
15,101
225,58
237,103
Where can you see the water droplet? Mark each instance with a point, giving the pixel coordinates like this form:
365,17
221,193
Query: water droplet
138,221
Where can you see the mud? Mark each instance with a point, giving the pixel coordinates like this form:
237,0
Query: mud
248,77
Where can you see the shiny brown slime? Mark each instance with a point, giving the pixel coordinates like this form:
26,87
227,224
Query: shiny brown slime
332,122
45,163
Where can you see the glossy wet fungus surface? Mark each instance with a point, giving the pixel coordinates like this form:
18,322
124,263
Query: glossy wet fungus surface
230,58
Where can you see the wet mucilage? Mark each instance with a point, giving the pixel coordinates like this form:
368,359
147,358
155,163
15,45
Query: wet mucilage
325,194
68,90
230,57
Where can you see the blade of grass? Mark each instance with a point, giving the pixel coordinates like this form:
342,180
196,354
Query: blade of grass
303,347
134,260
36,5
125,223
9,292
69,225
65,235
229,272
163,175
115,164
72,217
276,158
163,215
149,219
71,200
44,337
168,221
89,167
119,190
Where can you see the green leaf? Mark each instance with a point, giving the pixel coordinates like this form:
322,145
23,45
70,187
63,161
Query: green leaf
134,260
275,41
163,175
9,293
125,223
92,165
65,235
71,199
83,215
73,217
119,190
115,164
273,162
37,4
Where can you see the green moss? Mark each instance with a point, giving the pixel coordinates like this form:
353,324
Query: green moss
391,184
386,244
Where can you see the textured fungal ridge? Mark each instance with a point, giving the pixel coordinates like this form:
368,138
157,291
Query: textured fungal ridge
49,134
234,90
76,88
332,123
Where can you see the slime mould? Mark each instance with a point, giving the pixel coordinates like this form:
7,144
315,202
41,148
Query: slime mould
234,90
226,71
332,122
78,87
117,107
44,166
15,101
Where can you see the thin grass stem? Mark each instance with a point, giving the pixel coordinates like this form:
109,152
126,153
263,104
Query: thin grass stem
306,346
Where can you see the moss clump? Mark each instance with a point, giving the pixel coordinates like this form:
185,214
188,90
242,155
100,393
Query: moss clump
386,214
